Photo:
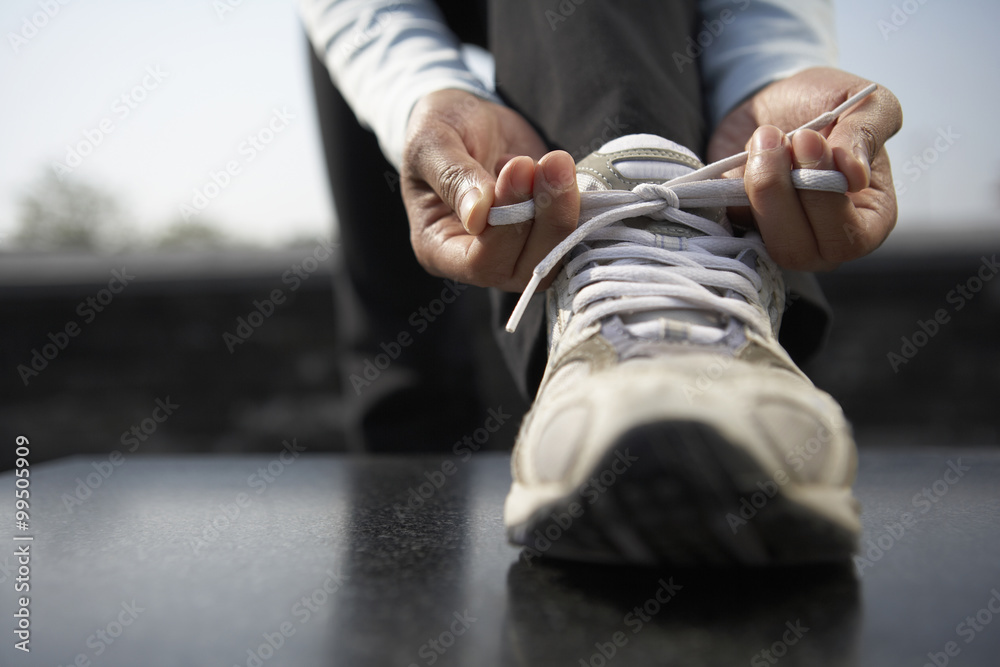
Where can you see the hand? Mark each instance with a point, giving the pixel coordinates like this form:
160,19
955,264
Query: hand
808,230
463,155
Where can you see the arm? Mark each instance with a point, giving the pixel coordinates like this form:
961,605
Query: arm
762,42
384,56
782,82
459,151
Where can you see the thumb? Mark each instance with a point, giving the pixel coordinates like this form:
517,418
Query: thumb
459,180
860,135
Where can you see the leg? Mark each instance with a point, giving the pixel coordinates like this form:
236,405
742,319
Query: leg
603,71
584,79
379,287
666,399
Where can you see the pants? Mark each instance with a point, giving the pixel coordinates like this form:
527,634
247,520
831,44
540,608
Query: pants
582,74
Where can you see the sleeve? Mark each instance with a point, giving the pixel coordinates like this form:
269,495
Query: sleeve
761,42
384,56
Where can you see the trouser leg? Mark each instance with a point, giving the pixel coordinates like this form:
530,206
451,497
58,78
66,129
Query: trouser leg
396,396
586,73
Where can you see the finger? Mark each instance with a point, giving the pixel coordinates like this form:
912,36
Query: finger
442,159
774,202
830,215
811,151
493,254
861,133
875,208
557,211
515,181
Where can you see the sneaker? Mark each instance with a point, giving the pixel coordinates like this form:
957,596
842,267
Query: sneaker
670,426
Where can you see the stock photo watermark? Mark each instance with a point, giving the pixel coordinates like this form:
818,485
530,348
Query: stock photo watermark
750,506
613,128
249,149
779,649
362,36
121,108
920,163
302,611
463,450
876,547
87,310
455,117
899,17
957,298
104,637
591,490
131,439
562,12
227,514
262,310
419,320
436,647
635,620
713,29
223,8
33,24
22,552
713,371
968,629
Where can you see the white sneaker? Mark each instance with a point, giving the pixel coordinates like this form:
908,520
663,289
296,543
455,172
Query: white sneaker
670,425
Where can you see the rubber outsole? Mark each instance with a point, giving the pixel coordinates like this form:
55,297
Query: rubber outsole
691,499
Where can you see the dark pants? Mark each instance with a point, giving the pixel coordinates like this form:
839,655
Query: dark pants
582,75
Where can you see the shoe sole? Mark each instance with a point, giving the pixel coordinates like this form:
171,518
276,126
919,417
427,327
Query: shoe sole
692,498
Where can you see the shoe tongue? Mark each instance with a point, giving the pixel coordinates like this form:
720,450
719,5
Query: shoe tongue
648,157
623,163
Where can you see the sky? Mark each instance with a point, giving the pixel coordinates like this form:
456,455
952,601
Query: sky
204,108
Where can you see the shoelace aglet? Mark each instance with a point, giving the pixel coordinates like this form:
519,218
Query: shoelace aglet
522,303
717,169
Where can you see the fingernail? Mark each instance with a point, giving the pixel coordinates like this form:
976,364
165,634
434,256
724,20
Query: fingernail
522,179
557,178
467,203
808,153
766,138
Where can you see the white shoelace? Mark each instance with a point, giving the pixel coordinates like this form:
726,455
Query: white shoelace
641,273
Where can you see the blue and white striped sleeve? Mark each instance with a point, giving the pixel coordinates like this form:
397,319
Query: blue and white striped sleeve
384,56
762,42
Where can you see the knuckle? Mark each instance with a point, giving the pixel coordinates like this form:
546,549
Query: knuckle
556,222
763,181
450,179
838,253
871,136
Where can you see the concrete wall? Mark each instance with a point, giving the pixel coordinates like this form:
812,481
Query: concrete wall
161,337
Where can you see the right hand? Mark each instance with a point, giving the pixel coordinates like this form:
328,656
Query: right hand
463,155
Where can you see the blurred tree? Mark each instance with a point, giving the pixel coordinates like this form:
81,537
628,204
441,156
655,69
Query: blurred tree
192,235
308,241
67,214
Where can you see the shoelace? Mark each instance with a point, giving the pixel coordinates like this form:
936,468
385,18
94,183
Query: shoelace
642,274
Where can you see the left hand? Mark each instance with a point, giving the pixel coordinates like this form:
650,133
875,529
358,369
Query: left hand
809,230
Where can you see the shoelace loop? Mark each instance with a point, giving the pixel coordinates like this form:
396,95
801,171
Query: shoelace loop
697,189
655,192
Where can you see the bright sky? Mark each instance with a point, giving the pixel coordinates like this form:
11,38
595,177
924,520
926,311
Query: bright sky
219,80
